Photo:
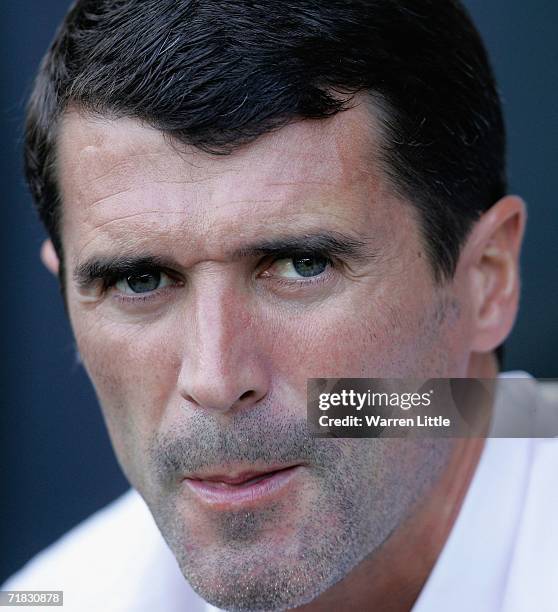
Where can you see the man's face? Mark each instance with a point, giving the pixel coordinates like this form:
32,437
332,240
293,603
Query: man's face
204,291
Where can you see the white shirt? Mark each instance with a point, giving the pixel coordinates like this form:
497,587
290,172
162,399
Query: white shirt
501,555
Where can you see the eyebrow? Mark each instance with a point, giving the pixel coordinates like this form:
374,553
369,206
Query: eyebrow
334,244
324,243
113,268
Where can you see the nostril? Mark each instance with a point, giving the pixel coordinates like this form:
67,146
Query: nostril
246,394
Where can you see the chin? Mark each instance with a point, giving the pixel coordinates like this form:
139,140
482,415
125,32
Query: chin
256,583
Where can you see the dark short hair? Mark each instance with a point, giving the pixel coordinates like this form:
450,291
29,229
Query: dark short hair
217,75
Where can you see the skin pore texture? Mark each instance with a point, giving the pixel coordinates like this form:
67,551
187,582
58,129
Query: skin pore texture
205,372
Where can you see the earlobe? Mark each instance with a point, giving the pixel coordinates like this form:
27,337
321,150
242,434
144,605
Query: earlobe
495,248
49,257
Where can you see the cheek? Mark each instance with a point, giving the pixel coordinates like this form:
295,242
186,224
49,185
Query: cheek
378,337
133,372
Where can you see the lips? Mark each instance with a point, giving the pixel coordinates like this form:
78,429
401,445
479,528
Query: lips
240,489
240,479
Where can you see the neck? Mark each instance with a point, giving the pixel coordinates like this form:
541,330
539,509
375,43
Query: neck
482,365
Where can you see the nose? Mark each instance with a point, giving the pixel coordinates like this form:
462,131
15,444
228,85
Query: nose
222,365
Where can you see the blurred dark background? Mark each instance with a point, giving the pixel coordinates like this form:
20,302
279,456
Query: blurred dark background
56,464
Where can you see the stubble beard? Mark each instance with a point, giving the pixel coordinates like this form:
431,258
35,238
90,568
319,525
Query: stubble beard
358,497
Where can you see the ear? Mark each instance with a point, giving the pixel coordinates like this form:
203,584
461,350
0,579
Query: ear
49,257
491,261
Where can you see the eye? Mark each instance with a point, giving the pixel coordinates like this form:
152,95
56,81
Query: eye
305,266
142,282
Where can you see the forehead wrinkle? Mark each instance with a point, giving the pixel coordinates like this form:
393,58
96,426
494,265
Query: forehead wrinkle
303,182
130,237
107,158
103,199
115,160
127,167
188,181
159,213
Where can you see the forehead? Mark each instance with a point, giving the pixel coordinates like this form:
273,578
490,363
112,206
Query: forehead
303,150
119,174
